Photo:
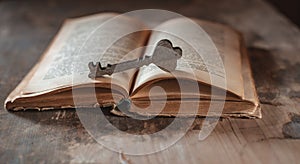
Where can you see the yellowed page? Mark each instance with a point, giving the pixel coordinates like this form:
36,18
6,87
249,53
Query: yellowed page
86,39
249,107
193,66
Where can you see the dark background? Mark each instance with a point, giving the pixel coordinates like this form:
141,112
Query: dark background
290,8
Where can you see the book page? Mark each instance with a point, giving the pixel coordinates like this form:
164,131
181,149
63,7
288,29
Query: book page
82,40
225,67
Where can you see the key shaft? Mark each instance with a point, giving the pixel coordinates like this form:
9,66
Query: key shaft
165,56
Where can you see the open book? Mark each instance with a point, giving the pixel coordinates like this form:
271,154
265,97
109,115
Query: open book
60,78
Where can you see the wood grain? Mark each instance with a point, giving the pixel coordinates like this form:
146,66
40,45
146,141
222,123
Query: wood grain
26,28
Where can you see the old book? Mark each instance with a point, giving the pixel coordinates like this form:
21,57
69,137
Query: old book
60,78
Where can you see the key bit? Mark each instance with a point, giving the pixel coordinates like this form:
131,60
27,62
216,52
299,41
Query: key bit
165,56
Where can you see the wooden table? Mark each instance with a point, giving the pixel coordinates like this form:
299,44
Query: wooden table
26,28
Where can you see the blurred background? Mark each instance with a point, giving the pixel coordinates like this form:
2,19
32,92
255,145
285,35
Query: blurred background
290,8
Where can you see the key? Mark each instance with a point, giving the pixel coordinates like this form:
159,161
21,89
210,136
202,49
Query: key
165,56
